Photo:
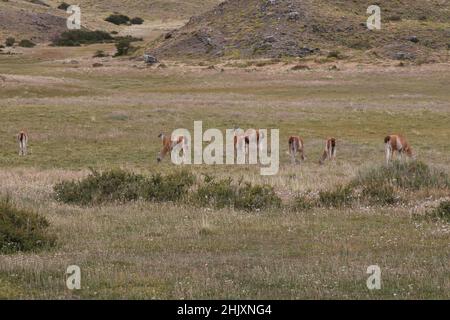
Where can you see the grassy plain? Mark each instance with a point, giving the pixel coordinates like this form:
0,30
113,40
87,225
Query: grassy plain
80,117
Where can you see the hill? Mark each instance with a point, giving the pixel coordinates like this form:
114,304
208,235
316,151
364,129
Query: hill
275,28
40,20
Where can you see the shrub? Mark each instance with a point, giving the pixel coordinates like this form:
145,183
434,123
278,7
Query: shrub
172,187
412,175
121,186
379,193
26,44
118,19
256,197
97,188
137,20
341,196
224,193
218,194
100,54
123,47
73,38
303,203
64,6
442,211
9,42
22,230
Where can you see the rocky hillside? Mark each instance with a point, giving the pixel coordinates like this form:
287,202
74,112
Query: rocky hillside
413,29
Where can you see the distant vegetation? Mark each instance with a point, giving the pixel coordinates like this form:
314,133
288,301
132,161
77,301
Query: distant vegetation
120,19
64,6
121,186
22,230
78,37
26,44
9,42
379,186
383,185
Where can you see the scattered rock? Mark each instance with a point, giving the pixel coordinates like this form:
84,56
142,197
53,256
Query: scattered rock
168,35
149,59
413,39
293,15
97,65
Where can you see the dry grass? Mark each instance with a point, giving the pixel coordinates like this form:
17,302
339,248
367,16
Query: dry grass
109,118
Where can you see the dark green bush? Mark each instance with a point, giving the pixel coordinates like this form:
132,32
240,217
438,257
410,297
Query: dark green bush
137,20
64,6
256,197
172,187
118,19
97,188
219,194
22,230
121,186
9,42
26,43
123,47
73,38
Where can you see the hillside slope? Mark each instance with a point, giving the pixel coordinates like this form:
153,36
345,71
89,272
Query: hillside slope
25,20
274,28
41,20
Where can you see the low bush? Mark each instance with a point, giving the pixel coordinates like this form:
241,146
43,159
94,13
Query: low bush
118,19
303,202
9,42
97,188
412,175
137,20
64,6
22,230
26,44
123,47
73,38
121,186
171,187
225,193
100,54
256,197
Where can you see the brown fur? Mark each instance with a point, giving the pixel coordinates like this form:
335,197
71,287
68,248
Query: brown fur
329,151
397,143
296,145
168,145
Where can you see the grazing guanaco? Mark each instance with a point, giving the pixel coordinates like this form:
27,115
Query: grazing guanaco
329,153
396,142
168,145
296,145
22,138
